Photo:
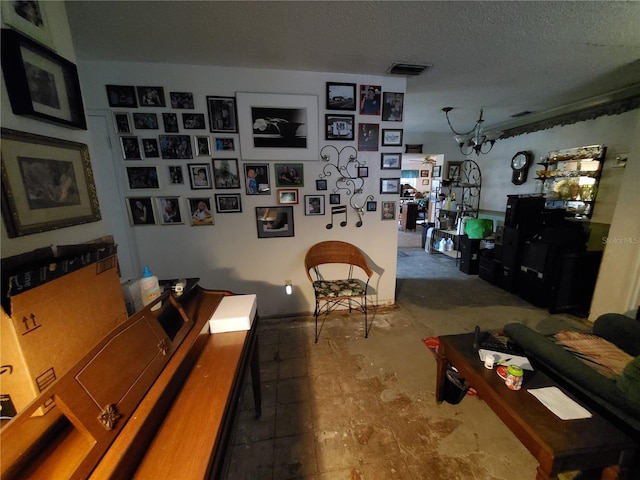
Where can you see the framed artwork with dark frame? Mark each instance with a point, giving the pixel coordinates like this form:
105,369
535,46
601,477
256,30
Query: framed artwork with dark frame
436,171
390,161
363,172
140,211
370,99
274,222
200,176
47,184
203,145
169,210
287,196
175,147
391,137
424,173
392,106
150,148
170,122
334,199
282,126
368,137
452,171
228,203
122,122
194,121
145,121
223,115
256,177
372,206
225,144
175,175
425,181
40,83
226,173
314,204
339,127
321,185
289,174
122,96
388,210
181,100
200,211
151,96
341,96
30,18
145,177
130,148
390,185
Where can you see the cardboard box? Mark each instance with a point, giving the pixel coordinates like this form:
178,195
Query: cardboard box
49,328
234,313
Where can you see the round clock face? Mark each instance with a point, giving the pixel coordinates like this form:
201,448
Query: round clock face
519,161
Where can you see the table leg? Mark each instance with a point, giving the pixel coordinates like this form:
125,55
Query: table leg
441,370
255,379
541,474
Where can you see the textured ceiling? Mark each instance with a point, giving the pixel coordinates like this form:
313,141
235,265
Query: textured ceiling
507,57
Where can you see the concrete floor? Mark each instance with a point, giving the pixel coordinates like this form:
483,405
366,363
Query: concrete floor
352,408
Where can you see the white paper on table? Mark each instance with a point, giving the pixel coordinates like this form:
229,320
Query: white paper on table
559,403
501,358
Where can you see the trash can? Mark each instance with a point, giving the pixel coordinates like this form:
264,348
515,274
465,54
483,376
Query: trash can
455,386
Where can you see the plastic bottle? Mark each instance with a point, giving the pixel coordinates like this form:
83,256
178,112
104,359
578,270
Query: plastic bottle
449,245
442,245
149,288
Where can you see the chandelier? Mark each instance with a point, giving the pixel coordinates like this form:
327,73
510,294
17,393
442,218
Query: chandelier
476,139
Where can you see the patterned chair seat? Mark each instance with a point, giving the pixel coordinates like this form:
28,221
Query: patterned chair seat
339,288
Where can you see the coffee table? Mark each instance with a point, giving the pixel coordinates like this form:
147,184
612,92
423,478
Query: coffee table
558,445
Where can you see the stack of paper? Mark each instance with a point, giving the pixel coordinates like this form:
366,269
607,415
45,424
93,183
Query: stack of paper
557,401
234,313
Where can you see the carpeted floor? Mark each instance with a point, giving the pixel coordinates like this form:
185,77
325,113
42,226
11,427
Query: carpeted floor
354,408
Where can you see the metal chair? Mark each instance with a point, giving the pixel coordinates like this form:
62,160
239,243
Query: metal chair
345,292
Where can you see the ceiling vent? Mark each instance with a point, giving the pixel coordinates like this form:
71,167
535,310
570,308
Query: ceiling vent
408,68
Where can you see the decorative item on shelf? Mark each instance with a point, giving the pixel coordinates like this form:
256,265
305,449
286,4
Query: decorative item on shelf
345,164
476,138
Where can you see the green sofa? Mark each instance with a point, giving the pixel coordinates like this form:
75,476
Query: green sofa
616,399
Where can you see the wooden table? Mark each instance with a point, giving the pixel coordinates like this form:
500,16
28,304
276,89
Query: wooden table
558,445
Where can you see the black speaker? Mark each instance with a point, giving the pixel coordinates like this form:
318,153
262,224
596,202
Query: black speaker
469,255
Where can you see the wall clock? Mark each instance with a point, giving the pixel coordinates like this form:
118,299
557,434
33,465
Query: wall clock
520,166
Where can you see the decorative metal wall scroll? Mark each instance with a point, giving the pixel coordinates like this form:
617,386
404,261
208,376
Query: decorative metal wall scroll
345,165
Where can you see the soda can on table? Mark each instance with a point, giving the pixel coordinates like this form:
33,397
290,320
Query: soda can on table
514,377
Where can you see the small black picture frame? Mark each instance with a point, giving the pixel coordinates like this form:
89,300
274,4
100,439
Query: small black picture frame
341,96
390,161
363,172
151,96
334,199
275,222
194,121
122,122
170,121
122,96
321,184
339,127
372,206
150,148
40,83
223,117
181,100
390,185
142,177
228,203
392,137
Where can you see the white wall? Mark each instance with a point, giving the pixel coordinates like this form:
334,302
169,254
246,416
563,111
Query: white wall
617,289
229,255
62,44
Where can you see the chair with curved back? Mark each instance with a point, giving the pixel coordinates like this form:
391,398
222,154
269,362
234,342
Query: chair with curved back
348,292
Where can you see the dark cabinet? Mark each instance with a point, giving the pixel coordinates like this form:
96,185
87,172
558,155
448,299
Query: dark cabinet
469,255
409,216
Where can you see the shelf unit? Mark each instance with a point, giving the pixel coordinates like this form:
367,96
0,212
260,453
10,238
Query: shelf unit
570,178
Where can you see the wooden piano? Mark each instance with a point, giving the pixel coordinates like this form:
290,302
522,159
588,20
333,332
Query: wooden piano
155,399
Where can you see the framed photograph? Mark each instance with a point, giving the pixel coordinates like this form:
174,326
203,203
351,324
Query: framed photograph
145,121
341,96
225,144
390,161
391,137
388,210
392,106
226,173
174,147
150,148
437,171
257,179
181,100
314,204
193,121
288,174
321,185
203,145
334,199
47,184
151,96
425,181
29,18
339,127
370,99
372,206
122,96
122,122
390,185
200,176
200,211
228,203
142,177
222,114
130,148
175,175
424,173
140,211
274,222
363,172
170,122
368,137
287,196
278,126
40,83
452,171
169,210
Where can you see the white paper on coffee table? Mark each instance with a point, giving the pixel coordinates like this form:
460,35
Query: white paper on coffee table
559,403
